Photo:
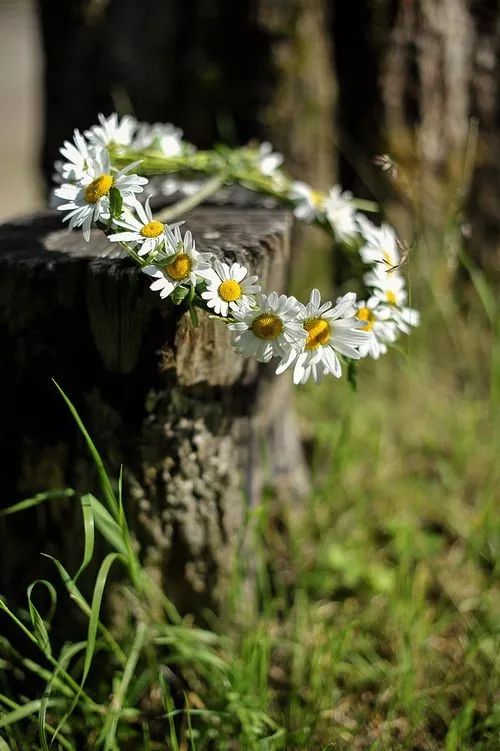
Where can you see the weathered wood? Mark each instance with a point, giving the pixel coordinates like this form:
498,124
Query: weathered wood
190,421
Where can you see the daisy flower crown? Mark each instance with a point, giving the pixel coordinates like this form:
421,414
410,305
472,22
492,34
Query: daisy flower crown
102,181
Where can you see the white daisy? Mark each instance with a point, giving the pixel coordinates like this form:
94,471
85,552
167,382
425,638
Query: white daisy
111,131
87,201
389,288
381,246
229,287
308,203
377,320
170,186
406,318
388,285
336,207
184,265
269,160
341,214
331,330
145,232
78,156
162,136
269,330
57,178
59,169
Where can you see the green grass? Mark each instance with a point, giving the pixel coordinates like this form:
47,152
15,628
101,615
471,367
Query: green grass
378,624
404,541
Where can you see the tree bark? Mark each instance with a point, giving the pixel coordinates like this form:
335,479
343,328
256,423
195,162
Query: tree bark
438,66
189,420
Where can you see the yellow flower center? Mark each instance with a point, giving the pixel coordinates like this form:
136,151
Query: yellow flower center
98,188
365,314
180,267
391,297
318,331
267,326
152,229
229,290
317,198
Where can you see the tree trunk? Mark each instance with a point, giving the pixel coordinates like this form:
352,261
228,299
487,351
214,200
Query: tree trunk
189,420
437,66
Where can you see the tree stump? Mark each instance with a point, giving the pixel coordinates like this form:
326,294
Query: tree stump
192,423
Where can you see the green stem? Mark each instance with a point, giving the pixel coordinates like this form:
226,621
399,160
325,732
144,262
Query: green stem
153,163
70,680
363,205
213,165
136,257
118,700
208,189
113,644
265,185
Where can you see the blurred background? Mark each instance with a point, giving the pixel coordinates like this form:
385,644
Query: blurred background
386,598
331,84
21,121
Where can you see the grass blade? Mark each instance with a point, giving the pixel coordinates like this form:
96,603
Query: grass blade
15,619
82,603
106,485
483,289
68,582
121,693
107,526
96,609
64,659
77,689
88,528
121,512
169,714
39,628
190,727
22,711
36,500
92,629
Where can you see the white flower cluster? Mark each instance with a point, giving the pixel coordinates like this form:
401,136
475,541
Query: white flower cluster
385,312
335,207
312,339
